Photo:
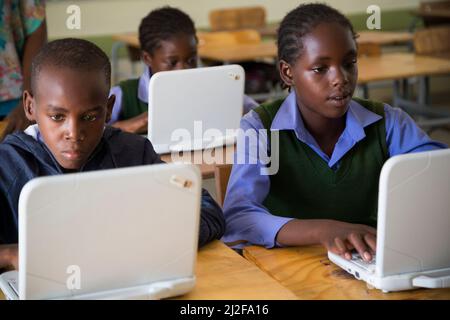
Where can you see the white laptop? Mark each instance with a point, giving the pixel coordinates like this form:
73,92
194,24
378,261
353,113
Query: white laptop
127,233
195,108
413,232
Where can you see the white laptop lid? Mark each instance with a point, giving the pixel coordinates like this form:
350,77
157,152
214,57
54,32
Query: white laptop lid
120,227
414,213
211,97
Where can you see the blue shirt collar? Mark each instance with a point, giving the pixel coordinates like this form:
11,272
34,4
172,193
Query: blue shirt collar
143,84
288,118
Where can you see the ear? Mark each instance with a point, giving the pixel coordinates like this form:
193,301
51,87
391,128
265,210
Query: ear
286,73
29,105
146,57
109,107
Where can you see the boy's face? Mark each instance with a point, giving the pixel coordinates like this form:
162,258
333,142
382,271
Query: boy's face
324,76
70,108
177,53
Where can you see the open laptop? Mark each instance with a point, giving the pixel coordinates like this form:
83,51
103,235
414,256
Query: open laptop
127,233
413,232
192,109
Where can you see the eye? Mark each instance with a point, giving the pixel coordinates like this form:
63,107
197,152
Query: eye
90,117
57,117
192,61
350,64
319,70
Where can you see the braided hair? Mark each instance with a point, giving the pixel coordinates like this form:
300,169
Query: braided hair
163,24
301,21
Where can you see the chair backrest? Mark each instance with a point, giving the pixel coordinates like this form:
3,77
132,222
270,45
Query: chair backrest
432,41
222,175
224,38
237,18
369,49
434,6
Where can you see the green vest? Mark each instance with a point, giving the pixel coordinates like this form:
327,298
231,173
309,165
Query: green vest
131,105
306,188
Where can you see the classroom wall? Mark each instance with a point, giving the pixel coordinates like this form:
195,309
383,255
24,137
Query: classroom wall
106,17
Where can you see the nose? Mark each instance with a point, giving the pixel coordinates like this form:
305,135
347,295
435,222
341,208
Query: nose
74,131
340,77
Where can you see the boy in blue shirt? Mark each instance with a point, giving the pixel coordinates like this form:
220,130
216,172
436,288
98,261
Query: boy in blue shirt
70,104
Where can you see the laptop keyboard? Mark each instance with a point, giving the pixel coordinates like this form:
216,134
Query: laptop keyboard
369,266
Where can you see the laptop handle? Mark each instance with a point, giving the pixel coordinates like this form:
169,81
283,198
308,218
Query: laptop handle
431,282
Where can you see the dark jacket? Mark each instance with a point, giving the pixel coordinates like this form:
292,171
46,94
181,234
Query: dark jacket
23,158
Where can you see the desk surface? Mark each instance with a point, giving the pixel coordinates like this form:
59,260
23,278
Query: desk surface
391,66
378,37
308,273
229,54
384,37
239,52
220,155
223,274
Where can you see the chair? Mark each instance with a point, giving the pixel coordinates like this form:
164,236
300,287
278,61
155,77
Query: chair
221,176
434,13
369,49
259,76
224,38
433,41
237,18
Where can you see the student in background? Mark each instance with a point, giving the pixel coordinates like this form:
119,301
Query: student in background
331,147
69,101
22,33
168,42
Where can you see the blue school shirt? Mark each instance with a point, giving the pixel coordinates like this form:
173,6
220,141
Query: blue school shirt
142,94
246,217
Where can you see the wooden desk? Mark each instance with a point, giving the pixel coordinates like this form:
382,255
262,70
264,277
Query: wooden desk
223,274
239,52
221,155
392,66
384,38
228,54
308,273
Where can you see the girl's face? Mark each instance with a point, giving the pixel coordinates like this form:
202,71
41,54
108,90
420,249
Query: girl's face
324,76
176,53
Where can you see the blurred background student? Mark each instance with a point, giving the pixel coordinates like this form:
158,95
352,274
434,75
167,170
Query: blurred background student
23,32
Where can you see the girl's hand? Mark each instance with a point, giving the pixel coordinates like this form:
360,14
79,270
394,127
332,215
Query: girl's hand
137,124
341,237
9,256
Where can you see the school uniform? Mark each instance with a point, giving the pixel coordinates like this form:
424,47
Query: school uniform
24,156
132,98
309,184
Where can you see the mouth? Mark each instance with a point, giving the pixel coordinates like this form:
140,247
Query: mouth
73,154
340,100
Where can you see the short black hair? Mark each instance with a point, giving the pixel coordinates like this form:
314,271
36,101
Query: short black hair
163,24
72,53
301,21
